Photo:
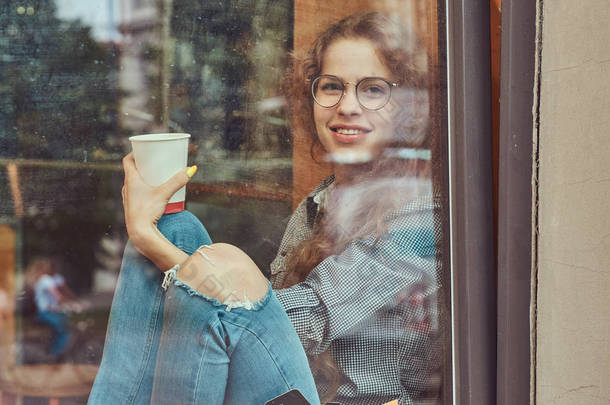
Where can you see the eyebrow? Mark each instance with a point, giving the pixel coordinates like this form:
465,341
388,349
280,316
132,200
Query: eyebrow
359,78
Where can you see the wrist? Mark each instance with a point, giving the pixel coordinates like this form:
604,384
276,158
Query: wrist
144,236
151,243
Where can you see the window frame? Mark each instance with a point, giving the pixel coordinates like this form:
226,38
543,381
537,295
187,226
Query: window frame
518,88
471,204
493,313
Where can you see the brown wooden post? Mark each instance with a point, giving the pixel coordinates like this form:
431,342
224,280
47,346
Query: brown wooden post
7,288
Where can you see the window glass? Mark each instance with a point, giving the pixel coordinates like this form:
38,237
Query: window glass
77,79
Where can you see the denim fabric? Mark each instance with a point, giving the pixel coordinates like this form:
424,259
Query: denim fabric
181,347
213,356
57,322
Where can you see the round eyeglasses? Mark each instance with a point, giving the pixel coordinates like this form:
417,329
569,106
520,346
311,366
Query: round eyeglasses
373,93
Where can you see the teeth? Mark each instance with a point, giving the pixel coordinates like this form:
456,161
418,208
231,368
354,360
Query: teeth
345,131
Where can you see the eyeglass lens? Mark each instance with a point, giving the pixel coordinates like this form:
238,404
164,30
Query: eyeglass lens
372,93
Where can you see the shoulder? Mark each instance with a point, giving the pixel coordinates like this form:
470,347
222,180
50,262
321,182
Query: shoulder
318,190
306,211
299,228
416,226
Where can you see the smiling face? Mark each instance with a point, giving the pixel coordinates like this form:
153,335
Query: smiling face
349,132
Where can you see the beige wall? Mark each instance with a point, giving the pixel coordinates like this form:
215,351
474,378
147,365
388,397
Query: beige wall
573,296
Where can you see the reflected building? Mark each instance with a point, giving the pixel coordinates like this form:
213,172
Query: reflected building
139,65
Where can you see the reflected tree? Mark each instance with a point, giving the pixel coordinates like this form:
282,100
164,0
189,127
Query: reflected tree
231,54
58,91
59,102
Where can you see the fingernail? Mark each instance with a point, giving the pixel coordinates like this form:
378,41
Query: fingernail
191,171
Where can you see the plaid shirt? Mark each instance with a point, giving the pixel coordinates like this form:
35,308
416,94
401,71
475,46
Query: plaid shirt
372,308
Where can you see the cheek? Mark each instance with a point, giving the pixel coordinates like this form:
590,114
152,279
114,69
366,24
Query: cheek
384,125
320,119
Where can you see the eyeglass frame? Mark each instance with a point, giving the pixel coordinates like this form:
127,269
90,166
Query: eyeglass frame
389,83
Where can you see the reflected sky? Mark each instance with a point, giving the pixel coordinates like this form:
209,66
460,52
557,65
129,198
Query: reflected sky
102,16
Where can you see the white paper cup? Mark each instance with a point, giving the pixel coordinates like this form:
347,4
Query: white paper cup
160,156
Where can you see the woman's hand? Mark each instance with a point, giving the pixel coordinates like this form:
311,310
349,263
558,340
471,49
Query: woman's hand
144,205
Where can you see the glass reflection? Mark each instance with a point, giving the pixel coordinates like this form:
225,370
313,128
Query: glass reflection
77,79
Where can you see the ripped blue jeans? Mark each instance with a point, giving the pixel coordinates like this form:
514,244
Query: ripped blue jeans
180,347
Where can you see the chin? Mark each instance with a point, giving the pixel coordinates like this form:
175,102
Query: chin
353,154
349,156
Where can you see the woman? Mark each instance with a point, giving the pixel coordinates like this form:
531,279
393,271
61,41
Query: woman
354,255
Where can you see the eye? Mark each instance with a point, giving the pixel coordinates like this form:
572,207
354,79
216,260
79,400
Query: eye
330,86
373,90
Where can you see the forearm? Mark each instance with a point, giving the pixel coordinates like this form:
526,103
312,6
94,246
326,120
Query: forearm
152,244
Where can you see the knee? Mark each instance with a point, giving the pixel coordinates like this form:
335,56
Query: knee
184,230
221,271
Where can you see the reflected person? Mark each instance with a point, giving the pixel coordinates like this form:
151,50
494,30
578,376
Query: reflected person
52,296
350,313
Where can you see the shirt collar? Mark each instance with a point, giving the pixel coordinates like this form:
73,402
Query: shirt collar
317,199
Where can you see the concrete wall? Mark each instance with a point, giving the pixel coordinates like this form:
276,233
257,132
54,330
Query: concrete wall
573,290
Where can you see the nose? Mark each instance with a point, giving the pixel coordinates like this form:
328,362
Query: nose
349,104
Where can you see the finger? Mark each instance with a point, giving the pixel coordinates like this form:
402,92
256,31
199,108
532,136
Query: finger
129,165
176,182
129,160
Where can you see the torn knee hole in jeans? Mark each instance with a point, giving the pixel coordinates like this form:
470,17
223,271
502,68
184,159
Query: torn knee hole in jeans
206,257
231,301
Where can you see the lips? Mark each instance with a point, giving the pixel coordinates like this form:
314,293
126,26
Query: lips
348,133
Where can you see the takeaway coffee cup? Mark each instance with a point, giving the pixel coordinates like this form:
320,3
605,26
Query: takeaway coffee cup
160,156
